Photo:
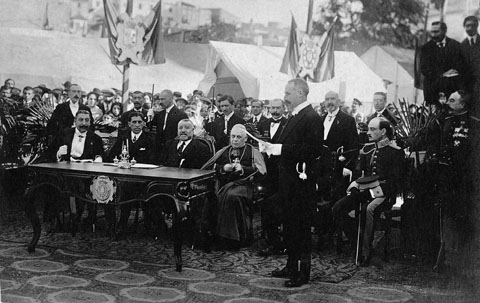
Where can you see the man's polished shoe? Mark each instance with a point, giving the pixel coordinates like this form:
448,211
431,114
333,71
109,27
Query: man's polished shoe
281,273
296,282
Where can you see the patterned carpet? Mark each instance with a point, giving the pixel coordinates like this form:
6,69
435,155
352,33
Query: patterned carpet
92,268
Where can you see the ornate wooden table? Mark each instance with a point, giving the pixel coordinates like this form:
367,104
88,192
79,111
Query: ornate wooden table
106,185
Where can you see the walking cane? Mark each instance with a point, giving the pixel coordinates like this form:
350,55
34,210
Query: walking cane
441,250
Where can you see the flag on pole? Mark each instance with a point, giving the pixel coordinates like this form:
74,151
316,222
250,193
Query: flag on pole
154,52
290,59
45,22
326,64
138,40
418,81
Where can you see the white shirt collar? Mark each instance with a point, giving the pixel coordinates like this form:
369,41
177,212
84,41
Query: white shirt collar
168,109
299,107
227,117
78,133
472,37
443,42
137,135
334,113
186,143
70,102
381,112
258,116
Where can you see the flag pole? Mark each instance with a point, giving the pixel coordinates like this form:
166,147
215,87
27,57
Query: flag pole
126,67
309,17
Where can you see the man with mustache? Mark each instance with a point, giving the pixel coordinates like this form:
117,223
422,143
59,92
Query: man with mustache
138,100
79,142
186,151
64,114
270,130
298,146
382,158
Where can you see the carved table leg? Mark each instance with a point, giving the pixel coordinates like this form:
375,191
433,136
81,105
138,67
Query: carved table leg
33,217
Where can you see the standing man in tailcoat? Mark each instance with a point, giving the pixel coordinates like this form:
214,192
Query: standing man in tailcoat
298,147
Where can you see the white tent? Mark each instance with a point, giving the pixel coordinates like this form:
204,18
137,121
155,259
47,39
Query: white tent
32,57
395,65
257,70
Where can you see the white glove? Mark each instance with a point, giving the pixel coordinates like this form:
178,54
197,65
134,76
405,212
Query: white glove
63,150
347,173
354,184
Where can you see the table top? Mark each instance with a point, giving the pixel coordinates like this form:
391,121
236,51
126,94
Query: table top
162,172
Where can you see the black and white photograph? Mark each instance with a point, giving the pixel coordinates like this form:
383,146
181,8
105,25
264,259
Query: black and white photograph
227,151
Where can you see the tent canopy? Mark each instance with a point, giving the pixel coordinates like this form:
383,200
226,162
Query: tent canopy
257,70
32,57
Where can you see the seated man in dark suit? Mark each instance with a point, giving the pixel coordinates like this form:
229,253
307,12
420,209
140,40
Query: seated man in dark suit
140,143
79,143
236,165
382,158
186,151
141,148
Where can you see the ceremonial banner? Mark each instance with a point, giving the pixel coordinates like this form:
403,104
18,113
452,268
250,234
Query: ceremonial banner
325,69
290,59
418,82
138,40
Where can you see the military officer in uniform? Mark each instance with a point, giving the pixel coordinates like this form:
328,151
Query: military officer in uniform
382,158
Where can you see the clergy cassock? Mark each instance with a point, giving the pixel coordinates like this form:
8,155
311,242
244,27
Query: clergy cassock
236,190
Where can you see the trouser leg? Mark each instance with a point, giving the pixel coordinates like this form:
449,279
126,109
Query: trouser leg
369,223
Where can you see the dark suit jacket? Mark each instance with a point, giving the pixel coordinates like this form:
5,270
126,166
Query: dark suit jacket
93,145
386,114
270,181
142,150
124,117
62,117
302,141
264,129
196,153
434,61
216,129
471,54
262,118
343,133
171,128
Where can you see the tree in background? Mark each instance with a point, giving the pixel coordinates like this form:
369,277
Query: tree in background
363,23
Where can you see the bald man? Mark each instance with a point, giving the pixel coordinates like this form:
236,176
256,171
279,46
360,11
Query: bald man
165,122
340,131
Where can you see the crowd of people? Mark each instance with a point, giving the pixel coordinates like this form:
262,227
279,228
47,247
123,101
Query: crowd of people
300,155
